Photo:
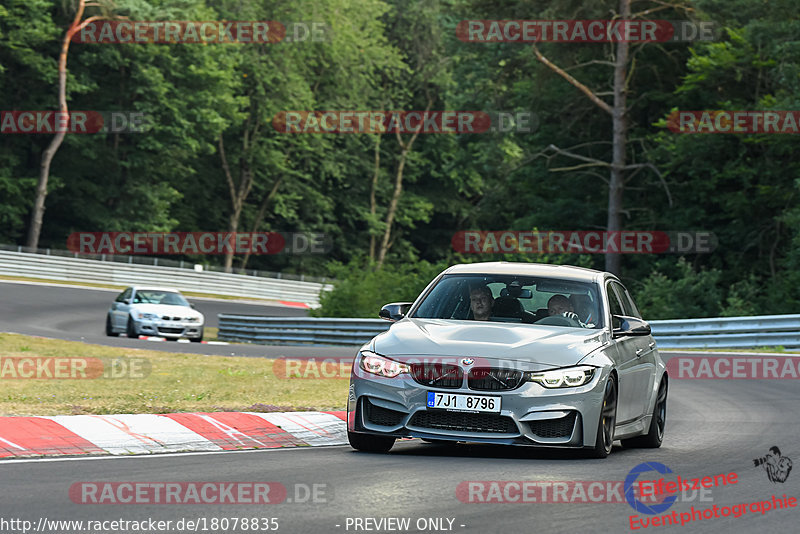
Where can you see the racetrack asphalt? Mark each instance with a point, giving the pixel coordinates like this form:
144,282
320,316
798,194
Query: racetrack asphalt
713,427
78,314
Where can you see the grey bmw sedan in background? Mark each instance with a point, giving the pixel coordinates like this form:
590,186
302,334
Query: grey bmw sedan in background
516,354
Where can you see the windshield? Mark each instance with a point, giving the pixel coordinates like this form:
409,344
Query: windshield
149,296
514,299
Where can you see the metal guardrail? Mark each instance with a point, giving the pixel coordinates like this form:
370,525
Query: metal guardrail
135,259
733,332
298,330
721,332
123,274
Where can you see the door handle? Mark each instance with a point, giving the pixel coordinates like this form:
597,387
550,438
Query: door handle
639,353
652,344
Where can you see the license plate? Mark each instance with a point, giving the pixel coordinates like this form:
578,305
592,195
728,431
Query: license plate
463,403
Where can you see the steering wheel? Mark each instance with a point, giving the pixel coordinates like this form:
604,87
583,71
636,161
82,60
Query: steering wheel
558,320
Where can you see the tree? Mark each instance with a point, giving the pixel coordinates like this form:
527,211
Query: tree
619,114
37,214
419,34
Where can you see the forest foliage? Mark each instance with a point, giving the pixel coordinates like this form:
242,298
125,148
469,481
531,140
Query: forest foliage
392,204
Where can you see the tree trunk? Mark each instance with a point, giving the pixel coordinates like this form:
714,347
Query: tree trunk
620,138
238,193
373,188
37,215
261,212
398,188
233,227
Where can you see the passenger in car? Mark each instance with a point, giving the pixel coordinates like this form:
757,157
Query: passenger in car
583,307
481,302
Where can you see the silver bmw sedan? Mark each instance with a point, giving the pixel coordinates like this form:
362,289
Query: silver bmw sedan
515,354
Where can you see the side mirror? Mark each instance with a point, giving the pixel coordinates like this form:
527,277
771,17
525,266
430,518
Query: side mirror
191,304
126,301
394,311
631,326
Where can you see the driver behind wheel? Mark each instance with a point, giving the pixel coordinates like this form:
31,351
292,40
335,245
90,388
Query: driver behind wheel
560,305
481,302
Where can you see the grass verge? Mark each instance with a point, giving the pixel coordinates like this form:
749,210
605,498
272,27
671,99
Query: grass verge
161,382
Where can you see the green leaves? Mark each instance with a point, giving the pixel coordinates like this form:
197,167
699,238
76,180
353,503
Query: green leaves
399,55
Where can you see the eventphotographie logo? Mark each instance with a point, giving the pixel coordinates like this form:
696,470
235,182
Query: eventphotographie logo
777,467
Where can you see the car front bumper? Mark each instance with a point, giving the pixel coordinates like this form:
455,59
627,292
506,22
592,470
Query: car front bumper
169,329
530,415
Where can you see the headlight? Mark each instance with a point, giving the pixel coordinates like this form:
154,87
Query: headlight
569,377
148,316
378,365
193,319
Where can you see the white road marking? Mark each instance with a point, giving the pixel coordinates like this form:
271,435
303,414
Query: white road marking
159,455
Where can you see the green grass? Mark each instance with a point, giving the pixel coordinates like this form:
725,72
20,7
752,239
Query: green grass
167,382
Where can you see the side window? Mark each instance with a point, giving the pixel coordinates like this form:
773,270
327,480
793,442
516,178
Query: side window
626,296
124,295
625,300
614,305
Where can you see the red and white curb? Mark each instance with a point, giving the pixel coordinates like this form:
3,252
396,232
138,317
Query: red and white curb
159,338
127,434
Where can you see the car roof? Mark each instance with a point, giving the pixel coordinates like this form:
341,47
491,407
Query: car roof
565,272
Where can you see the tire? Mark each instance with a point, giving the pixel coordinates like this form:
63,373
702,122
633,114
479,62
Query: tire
369,443
130,330
109,330
655,435
604,440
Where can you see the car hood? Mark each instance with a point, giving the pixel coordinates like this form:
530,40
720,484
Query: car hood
168,309
547,346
